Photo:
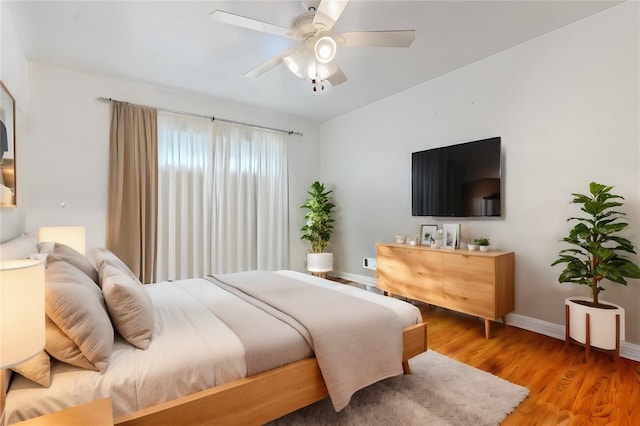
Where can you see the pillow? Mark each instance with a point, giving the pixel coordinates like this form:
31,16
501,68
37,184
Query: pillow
36,369
129,305
62,348
75,304
102,255
19,248
45,247
80,261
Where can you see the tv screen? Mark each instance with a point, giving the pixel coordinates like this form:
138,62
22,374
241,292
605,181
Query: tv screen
461,180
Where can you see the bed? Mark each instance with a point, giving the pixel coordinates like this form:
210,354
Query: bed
217,357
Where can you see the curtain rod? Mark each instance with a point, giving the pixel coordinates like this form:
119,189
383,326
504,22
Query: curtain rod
209,117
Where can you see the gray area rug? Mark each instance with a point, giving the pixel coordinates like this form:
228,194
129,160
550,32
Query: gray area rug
439,392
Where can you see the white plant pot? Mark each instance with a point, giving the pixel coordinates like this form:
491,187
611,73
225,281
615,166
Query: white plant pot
484,248
602,323
319,262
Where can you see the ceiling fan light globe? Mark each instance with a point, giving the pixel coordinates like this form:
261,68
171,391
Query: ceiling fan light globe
293,67
325,49
324,71
312,69
296,63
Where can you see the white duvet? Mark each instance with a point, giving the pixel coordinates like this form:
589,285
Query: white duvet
191,350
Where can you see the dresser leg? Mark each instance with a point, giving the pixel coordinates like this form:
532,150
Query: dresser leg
487,328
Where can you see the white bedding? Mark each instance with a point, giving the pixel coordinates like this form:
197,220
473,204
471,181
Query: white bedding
192,347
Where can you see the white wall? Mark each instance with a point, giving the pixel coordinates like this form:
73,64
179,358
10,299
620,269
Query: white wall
13,74
68,150
567,108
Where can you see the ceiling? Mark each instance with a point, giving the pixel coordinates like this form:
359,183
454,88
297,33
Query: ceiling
175,44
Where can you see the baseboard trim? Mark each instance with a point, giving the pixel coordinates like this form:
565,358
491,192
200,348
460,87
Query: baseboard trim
627,350
362,279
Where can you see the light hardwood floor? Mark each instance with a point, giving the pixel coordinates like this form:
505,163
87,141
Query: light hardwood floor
564,388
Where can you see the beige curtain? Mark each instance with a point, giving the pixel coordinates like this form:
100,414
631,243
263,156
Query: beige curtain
133,187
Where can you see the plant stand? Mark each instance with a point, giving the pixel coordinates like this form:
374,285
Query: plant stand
587,345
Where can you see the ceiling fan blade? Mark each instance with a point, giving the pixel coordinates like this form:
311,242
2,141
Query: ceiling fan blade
269,64
337,77
400,38
328,13
252,24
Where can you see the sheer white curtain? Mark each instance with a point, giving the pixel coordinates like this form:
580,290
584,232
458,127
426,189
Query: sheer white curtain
223,198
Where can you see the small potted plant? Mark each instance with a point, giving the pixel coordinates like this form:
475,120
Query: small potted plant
318,228
483,243
596,254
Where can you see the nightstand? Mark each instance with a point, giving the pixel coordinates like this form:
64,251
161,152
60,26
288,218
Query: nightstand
96,413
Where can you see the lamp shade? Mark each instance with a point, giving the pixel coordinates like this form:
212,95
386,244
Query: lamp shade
72,236
22,334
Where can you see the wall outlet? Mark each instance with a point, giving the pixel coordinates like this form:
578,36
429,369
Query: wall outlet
369,263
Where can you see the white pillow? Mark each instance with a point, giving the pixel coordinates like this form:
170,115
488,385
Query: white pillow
75,304
129,305
19,248
79,260
101,255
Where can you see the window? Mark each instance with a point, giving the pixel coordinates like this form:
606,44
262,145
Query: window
222,198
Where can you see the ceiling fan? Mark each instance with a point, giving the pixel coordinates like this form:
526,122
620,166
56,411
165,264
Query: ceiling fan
314,59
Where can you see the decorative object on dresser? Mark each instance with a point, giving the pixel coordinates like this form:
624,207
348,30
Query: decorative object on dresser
483,243
427,234
596,254
318,228
475,283
437,239
450,235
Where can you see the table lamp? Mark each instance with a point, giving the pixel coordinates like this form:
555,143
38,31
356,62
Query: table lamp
72,236
22,317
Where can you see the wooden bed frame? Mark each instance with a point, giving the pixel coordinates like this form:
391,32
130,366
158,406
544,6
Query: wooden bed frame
258,399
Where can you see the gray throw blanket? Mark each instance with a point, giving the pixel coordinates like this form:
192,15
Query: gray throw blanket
356,342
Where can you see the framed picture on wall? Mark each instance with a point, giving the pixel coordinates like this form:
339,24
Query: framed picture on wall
450,235
7,148
427,234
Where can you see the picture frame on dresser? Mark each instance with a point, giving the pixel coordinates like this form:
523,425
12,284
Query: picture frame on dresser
450,235
426,234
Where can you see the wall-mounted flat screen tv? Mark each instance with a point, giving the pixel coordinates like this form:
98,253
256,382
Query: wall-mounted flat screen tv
461,180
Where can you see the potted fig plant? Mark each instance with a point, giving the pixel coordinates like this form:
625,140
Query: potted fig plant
596,254
318,228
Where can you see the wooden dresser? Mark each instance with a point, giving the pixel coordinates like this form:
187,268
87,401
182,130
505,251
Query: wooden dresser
476,283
